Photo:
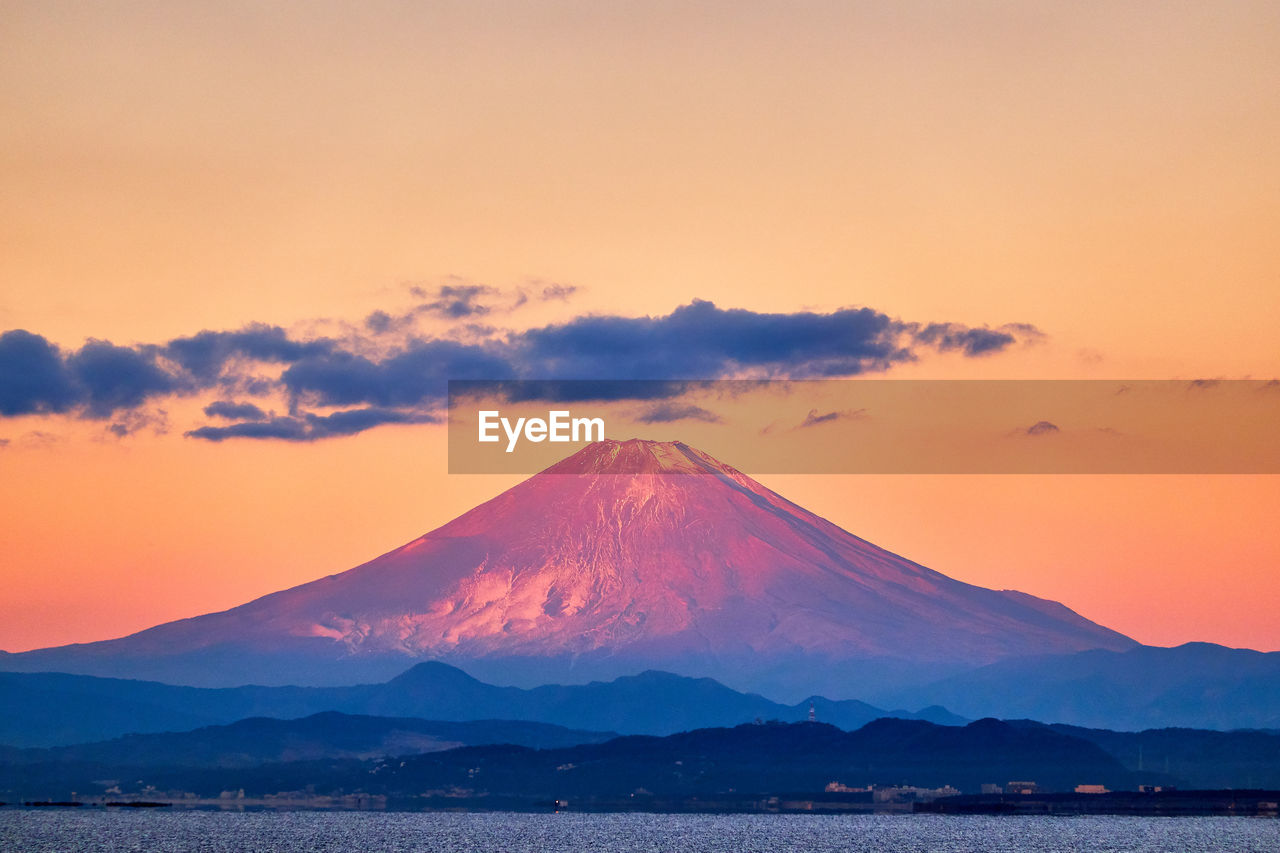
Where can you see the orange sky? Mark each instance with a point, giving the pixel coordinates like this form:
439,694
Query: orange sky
1109,172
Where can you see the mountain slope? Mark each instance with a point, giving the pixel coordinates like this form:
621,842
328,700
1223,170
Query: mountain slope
622,556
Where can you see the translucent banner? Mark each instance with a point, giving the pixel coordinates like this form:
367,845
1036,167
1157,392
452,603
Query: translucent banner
877,426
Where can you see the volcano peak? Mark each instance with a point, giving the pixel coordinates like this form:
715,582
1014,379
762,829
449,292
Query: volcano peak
609,575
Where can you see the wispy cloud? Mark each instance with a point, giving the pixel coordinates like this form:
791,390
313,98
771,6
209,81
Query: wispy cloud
310,427
670,412
134,421
814,418
231,410
560,292
460,301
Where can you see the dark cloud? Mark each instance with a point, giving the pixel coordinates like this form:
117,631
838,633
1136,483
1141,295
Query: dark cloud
33,377
458,301
671,353
380,322
560,292
1042,428
233,411
414,376
136,421
100,378
118,377
578,390
972,342
700,340
353,421
308,426
205,354
454,302
247,385
287,428
814,418
1028,332
665,413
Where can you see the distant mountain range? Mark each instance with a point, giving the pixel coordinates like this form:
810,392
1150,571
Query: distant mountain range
1197,685
327,735
480,763
750,758
626,556
801,757
476,763
1193,686
49,709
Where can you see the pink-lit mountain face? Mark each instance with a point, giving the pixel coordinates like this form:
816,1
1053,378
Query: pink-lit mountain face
631,554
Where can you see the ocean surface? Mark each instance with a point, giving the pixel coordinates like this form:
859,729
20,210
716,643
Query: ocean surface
41,830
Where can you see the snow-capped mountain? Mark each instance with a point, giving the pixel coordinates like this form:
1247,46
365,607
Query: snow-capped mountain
625,555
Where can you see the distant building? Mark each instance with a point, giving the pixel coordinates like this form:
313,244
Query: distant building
991,788
912,794
841,788
1021,788
1092,789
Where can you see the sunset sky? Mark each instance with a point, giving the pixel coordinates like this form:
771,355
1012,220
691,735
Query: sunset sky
314,213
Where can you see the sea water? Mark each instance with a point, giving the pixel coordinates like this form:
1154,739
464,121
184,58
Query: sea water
165,831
